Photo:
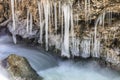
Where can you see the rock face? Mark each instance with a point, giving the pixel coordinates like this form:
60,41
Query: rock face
20,68
94,30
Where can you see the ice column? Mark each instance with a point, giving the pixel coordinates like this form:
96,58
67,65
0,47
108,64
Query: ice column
65,44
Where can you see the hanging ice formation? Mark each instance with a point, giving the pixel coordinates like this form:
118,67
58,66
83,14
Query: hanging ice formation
74,41
40,9
110,17
46,13
14,39
60,16
96,48
55,13
86,49
13,19
75,50
27,28
65,45
31,23
13,14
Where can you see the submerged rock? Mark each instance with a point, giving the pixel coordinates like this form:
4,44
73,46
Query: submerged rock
20,68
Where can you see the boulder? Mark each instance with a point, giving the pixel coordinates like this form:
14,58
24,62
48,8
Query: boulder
20,69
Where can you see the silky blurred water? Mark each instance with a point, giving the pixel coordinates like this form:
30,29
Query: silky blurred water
77,71
50,69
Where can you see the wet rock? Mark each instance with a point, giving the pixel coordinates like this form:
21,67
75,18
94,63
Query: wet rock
20,68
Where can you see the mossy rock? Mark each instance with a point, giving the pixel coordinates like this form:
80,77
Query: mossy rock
20,68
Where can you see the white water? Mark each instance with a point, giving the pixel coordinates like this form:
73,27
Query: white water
79,71
38,60
4,74
47,68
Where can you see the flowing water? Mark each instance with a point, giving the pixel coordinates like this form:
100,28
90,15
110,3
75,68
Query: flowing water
50,69
70,70
38,60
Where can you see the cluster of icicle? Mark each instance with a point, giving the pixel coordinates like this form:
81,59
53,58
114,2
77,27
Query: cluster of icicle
59,13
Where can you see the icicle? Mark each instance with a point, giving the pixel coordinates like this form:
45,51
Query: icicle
27,28
85,45
14,39
31,23
55,12
110,17
46,12
75,42
62,26
13,14
103,19
75,47
41,24
59,12
98,22
77,19
72,25
95,39
65,46
50,19
96,48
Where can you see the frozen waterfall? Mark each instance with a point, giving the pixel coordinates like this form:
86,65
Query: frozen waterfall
57,18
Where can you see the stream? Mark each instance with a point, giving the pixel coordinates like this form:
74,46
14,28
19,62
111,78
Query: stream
50,68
